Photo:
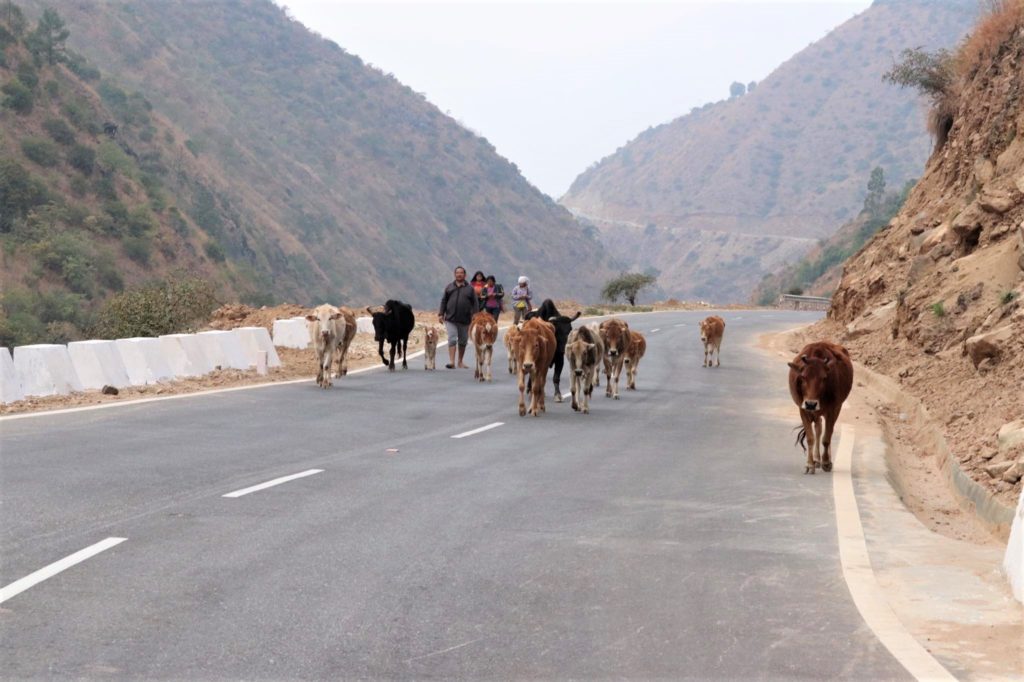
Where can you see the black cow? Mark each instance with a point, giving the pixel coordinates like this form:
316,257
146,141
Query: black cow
563,327
393,325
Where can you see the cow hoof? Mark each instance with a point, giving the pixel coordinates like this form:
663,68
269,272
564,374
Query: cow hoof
558,398
809,470
522,411
586,410
385,363
826,466
616,397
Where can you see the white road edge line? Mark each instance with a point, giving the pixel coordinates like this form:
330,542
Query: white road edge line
566,395
19,586
656,330
276,481
679,325
860,578
476,431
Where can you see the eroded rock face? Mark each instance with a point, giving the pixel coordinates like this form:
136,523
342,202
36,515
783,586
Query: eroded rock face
988,346
1011,434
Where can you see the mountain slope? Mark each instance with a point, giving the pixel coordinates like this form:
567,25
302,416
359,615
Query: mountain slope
736,189
347,185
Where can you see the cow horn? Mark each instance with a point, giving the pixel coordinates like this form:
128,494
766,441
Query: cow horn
368,310
804,358
576,316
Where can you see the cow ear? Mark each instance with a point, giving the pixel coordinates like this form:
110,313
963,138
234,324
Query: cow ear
828,360
793,365
312,318
335,316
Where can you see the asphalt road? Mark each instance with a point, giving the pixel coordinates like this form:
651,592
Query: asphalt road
668,534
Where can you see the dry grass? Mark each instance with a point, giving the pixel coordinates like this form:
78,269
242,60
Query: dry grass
1000,21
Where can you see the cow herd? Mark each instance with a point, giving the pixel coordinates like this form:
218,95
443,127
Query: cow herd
820,376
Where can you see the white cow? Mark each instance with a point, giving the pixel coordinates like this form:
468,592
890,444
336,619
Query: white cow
330,329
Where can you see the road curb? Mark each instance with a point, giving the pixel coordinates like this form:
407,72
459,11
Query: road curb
971,496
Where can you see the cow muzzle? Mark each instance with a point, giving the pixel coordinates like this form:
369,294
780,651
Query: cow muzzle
811,405
613,353
527,366
579,372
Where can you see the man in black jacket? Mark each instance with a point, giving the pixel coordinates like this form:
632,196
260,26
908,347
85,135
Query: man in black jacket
458,305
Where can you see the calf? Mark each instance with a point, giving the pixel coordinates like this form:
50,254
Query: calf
323,335
429,347
820,379
583,350
634,353
711,330
393,324
483,332
616,336
534,348
345,327
510,338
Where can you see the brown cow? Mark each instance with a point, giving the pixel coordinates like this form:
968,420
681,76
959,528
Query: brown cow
429,347
820,379
534,349
634,353
346,327
711,330
483,332
615,335
510,339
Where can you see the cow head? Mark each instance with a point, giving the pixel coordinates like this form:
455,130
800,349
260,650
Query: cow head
321,318
530,346
704,331
378,324
430,337
812,380
581,354
616,337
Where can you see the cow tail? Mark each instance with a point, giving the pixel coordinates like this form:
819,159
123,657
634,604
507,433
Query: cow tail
801,438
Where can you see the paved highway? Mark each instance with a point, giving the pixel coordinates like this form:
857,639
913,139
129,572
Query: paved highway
668,534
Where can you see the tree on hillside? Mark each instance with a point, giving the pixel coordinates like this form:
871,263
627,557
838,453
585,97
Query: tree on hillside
46,41
627,285
13,17
876,192
751,85
737,89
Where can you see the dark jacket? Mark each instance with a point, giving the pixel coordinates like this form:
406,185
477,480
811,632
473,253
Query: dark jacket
459,303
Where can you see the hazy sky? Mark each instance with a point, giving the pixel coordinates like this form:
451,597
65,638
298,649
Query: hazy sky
556,86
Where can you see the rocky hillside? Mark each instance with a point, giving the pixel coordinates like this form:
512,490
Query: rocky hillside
734,190
936,299
328,179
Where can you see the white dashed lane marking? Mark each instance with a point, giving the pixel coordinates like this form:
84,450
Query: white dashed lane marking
481,429
19,586
276,481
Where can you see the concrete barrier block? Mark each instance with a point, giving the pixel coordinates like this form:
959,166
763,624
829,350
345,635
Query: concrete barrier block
256,339
184,355
1013,563
364,325
10,384
224,349
144,360
45,369
98,364
291,333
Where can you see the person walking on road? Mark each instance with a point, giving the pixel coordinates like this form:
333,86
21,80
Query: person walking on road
458,305
522,299
493,297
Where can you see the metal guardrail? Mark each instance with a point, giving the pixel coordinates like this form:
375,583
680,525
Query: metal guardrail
805,302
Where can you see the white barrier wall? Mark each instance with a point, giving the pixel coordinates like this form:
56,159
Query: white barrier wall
364,325
1013,564
184,355
255,339
10,384
223,349
45,369
291,333
144,360
98,364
